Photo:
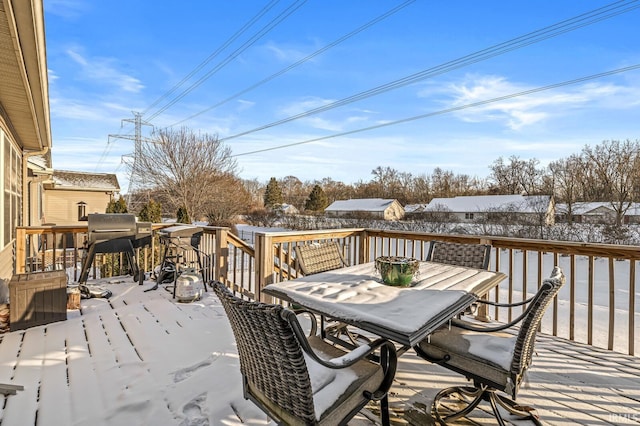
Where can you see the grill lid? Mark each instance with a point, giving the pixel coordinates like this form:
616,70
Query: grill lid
110,226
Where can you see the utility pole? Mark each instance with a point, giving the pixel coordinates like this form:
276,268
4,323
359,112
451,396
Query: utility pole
137,137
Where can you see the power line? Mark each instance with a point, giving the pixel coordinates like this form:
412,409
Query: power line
554,30
301,61
202,64
265,30
449,110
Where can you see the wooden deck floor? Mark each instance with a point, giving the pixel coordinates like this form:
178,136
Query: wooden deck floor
70,369
568,384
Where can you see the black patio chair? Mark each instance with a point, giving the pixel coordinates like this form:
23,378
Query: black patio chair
492,357
300,380
470,255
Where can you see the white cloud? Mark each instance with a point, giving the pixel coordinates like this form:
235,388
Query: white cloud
519,112
244,105
69,9
86,110
285,54
304,105
104,71
324,122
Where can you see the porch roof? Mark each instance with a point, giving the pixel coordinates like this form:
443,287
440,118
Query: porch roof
24,87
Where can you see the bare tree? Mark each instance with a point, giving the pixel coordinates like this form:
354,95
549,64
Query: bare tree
568,175
442,183
226,200
255,190
519,176
187,168
615,164
336,190
294,192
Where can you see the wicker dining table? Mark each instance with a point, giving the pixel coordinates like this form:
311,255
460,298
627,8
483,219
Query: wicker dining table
357,296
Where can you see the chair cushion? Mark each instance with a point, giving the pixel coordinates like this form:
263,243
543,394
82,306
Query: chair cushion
336,392
485,355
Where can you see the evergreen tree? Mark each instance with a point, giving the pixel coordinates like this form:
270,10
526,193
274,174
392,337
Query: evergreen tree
151,212
117,206
317,200
182,216
272,194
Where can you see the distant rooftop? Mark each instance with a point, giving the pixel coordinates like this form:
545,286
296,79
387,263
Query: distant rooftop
64,179
483,203
361,204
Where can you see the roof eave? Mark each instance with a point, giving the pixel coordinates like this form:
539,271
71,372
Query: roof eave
26,110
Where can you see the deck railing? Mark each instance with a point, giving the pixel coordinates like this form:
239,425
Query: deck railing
597,306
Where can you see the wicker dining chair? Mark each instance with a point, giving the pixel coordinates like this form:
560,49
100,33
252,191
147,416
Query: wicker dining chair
315,258
470,255
492,357
300,380
319,257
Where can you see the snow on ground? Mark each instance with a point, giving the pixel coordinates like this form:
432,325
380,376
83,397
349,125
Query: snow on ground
148,360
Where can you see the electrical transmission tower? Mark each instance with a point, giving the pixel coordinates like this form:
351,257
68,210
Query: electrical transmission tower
134,165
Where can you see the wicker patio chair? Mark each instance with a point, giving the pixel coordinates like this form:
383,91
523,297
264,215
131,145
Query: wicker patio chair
493,358
300,380
470,255
315,258
319,257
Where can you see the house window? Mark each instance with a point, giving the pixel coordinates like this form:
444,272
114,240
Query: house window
82,211
11,189
468,216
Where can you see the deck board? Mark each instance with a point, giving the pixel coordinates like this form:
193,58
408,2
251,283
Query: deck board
54,390
23,406
116,372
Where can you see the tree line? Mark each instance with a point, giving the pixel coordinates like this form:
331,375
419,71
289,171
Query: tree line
195,172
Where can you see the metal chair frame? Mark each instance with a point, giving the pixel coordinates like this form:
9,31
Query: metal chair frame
485,388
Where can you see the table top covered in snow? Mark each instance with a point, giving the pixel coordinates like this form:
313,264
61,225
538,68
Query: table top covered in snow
356,295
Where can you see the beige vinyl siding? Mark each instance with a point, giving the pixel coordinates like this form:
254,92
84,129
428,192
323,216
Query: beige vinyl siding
61,206
6,271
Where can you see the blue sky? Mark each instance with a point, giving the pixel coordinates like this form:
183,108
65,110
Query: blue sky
108,59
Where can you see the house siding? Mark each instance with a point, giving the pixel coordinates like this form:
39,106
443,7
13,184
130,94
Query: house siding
11,203
394,212
6,271
367,207
61,206
493,208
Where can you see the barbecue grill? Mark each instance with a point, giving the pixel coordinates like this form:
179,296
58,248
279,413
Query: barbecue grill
115,233
176,240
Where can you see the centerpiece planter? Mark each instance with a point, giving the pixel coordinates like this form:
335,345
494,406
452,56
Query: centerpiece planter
396,270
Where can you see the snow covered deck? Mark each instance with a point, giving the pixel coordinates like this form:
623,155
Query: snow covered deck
141,358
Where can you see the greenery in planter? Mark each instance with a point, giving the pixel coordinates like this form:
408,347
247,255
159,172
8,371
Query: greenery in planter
397,270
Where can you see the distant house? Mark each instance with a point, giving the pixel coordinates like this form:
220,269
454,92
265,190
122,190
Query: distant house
632,215
386,209
491,208
415,208
288,209
596,212
69,196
